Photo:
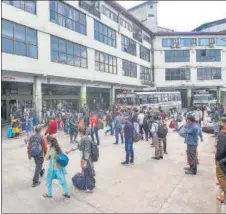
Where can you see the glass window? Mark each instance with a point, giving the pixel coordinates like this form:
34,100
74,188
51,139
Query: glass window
209,73
7,45
31,36
67,16
126,25
129,68
69,53
145,75
187,42
18,39
104,62
104,34
20,32
221,42
28,6
7,28
204,42
128,45
167,42
177,56
144,53
177,74
109,13
210,55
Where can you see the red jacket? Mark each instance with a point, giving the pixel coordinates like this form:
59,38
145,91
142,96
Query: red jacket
93,121
52,127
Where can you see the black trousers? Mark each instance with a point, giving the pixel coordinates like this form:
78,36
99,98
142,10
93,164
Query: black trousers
145,128
38,168
164,144
191,152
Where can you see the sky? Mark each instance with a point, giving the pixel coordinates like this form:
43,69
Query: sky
185,15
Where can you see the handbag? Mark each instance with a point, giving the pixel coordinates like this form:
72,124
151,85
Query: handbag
136,136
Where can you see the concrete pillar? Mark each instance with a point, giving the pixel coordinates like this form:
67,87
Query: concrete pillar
83,96
189,94
37,97
112,95
50,101
7,103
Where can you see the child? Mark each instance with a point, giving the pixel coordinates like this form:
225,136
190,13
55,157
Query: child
55,171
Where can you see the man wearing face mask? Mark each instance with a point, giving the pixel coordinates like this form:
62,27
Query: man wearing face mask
191,139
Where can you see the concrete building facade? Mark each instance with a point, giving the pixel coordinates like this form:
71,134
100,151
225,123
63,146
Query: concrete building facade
71,53
60,46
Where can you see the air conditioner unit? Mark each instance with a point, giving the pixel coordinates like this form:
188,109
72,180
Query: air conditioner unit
211,45
173,45
178,45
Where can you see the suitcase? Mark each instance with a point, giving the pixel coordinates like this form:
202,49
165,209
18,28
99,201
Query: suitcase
79,182
10,133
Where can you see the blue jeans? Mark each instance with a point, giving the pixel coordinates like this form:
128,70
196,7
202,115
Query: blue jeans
94,131
111,129
215,128
117,132
129,150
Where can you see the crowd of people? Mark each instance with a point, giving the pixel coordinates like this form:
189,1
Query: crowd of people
121,122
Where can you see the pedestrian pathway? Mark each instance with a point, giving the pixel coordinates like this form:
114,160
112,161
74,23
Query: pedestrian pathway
147,186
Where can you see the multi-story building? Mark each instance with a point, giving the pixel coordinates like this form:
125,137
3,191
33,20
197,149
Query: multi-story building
191,61
57,53
73,52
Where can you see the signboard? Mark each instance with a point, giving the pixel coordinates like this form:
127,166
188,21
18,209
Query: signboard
8,78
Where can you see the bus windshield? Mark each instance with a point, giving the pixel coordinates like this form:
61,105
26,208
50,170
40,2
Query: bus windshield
201,98
126,100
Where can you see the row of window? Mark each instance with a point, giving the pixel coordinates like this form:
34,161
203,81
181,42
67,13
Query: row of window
67,16
211,55
19,40
107,12
145,73
129,68
28,6
105,63
126,25
185,74
188,42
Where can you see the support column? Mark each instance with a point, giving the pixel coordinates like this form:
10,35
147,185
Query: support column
83,96
37,97
189,94
50,101
7,104
112,95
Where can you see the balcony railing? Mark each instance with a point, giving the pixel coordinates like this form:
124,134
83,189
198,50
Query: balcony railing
90,8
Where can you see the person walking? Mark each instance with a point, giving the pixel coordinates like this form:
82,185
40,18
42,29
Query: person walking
215,119
52,127
37,148
94,128
128,134
140,120
145,126
109,122
55,171
156,140
73,127
191,132
118,127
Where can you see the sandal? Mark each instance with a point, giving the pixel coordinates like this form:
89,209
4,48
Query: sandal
66,195
47,196
221,198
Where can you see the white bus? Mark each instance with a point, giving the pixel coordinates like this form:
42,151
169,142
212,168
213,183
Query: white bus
166,100
203,99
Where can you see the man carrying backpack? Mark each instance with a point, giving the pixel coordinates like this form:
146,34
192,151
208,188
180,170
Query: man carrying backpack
37,148
159,132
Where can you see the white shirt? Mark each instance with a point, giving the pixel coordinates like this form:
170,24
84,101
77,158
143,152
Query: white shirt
140,119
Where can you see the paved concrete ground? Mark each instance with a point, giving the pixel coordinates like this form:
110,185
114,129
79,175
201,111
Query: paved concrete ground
147,186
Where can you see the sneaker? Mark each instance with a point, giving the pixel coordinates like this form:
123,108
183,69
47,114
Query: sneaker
156,158
131,162
36,184
89,191
161,157
187,168
125,163
166,153
115,143
189,172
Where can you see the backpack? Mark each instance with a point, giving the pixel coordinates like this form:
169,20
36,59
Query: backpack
79,181
100,124
136,136
94,151
35,145
62,159
179,118
162,131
